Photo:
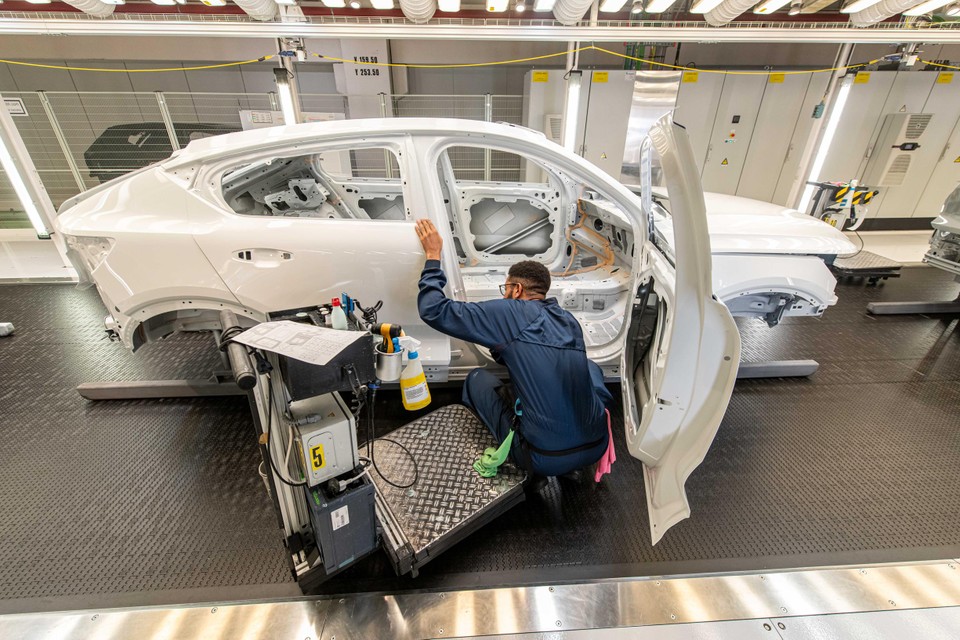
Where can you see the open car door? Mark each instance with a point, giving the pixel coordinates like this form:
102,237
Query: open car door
682,348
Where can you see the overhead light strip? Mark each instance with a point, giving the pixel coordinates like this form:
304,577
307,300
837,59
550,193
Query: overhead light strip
858,5
612,6
659,6
926,7
833,122
704,6
770,6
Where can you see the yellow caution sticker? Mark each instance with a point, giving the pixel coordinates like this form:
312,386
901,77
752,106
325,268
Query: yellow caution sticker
945,77
541,76
724,163
601,76
776,78
862,77
690,76
957,161
317,459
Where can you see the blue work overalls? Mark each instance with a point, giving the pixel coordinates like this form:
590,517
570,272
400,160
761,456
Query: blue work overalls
561,392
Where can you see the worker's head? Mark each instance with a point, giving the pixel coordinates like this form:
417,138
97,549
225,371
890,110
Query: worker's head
527,280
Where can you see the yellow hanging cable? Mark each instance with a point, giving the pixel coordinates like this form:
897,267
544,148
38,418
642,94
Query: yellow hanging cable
406,65
937,64
209,66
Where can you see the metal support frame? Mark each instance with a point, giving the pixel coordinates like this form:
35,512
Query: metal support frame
387,154
777,369
167,120
947,307
487,153
61,140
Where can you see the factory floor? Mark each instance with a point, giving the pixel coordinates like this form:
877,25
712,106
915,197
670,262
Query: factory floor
158,502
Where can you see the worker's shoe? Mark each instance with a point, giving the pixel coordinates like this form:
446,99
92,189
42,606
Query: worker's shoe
534,484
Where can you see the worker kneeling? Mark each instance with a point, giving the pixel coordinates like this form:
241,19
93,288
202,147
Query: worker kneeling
557,403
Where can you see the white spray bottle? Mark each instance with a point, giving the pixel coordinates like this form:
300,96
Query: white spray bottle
413,383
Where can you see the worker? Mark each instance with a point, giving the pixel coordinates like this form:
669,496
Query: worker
558,400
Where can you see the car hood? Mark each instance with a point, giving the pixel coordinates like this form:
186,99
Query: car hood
743,225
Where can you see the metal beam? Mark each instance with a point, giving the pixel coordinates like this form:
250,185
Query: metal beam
479,29
777,369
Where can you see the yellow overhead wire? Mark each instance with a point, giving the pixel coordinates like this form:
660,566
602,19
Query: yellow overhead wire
406,65
937,64
208,66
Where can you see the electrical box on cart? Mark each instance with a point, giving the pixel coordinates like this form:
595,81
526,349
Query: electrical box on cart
326,437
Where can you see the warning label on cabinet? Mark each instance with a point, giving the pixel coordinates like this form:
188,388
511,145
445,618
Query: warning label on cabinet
340,517
724,163
541,76
945,77
690,76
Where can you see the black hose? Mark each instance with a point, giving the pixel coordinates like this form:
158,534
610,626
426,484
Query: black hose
371,449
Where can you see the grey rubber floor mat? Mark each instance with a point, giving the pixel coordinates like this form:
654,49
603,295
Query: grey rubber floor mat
115,502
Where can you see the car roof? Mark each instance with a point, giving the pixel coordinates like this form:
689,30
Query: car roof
229,144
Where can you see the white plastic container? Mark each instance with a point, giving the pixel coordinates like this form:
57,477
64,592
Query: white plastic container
338,317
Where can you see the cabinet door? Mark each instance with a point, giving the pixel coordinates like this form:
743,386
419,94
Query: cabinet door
945,172
696,109
911,92
790,171
732,130
780,108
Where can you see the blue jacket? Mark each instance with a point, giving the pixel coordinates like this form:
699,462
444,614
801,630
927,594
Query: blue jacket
561,391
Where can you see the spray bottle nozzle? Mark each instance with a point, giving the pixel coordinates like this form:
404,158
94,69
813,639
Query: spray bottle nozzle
411,345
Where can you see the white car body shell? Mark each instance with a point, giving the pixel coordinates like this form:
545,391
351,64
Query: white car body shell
168,253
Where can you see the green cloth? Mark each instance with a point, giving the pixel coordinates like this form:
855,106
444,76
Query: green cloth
492,458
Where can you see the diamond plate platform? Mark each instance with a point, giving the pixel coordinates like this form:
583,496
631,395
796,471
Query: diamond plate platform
865,264
449,499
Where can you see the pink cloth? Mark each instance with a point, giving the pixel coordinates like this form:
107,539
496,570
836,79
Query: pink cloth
605,463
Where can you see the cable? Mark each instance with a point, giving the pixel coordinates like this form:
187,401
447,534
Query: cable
208,66
371,449
289,483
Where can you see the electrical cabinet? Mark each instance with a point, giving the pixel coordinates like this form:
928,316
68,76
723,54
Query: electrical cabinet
697,102
944,172
790,171
732,131
770,144
607,114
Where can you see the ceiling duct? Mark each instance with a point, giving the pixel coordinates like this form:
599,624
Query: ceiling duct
263,10
570,12
880,11
92,7
727,11
418,11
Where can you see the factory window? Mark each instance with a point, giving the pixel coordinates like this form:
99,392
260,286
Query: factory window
499,203
361,184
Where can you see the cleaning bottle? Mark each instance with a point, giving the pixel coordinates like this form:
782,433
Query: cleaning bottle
339,318
413,383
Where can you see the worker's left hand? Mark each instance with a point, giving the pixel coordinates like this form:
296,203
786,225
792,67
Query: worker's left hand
430,239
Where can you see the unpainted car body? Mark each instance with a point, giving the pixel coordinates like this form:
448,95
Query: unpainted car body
286,217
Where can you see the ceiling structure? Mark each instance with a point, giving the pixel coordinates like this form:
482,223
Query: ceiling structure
827,21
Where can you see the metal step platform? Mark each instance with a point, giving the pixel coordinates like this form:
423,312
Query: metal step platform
448,500
867,265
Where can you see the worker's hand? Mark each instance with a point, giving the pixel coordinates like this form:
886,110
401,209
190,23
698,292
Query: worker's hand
430,239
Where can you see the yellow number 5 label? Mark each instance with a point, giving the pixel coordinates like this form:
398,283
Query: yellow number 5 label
316,457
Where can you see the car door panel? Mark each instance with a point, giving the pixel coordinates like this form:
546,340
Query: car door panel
677,387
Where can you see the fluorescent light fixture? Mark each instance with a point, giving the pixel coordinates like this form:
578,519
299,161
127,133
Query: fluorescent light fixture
953,10
164,3
496,6
214,3
521,7
41,1
285,95
383,5
926,7
771,5
354,4
637,7
858,5
571,111
828,133
795,7
659,6
612,6
449,6
110,1
543,5
704,6
334,4
20,188
286,2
